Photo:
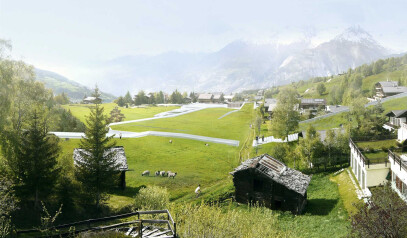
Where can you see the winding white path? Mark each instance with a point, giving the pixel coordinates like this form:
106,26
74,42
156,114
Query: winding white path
127,134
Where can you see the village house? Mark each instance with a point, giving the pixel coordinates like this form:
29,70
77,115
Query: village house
269,182
205,98
368,172
388,88
91,100
119,157
398,163
217,98
396,118
228,98
269,105
312,104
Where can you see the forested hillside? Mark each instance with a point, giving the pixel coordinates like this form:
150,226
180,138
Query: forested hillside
358,82
59,84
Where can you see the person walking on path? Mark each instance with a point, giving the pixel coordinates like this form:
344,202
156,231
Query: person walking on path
198,190
120,135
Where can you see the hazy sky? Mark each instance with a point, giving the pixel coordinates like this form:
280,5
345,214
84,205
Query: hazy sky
67,36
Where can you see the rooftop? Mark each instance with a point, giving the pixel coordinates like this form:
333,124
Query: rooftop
389,83
278,172
397,113
318,101
206,96
119,157
398,89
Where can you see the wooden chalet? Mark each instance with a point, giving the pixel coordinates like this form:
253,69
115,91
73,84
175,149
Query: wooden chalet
312,104
397,117
388,88
119,157
205,98
91,100
269,182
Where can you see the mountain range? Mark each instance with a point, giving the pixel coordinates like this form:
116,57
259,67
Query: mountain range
241,65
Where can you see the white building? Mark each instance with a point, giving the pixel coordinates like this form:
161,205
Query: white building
368,173
402,132
399,174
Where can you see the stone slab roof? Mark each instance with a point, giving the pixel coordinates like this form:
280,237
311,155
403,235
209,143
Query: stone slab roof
397,113
399,89
388,83
278,172
205,96
120,156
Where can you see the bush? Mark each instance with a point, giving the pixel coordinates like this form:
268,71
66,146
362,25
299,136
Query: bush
385,149
152,198
216,221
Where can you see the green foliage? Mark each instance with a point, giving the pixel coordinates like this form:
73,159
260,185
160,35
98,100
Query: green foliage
32,160
97,171
215,221
285,117
384,215
321,88
63,120
48,221
127,99
116,115
8,204
176,97
152,198
310,148
120,101
61,99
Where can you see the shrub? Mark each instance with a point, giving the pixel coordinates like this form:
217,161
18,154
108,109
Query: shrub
152,198
385,149
216,221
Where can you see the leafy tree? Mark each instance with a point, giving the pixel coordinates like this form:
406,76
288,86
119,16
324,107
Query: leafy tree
176,97
97,171
64,121
384,215
222,98
140,98
116,115
311,147
160,97
127,99
321,88
62,99
120,101
8,204
285,117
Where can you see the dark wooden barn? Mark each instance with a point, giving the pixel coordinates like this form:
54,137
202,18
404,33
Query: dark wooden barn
120,158
271,183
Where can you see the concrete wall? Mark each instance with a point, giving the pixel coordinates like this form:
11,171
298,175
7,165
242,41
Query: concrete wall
402,133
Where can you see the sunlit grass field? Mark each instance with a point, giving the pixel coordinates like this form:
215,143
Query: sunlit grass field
204,122
80,111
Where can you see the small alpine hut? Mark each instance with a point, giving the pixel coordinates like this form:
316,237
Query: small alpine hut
119,157
271,183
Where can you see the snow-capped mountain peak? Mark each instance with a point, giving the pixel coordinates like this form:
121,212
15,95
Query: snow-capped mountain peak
355,34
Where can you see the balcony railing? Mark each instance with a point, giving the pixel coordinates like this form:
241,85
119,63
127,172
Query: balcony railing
365,160
397,159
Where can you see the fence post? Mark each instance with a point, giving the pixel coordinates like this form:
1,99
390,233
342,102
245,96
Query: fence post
175,230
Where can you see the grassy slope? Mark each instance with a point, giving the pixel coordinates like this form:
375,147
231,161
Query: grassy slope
194,162
204,122
82,110
325,216
347,191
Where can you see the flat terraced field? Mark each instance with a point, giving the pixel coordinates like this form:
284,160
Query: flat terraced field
82,110
204,123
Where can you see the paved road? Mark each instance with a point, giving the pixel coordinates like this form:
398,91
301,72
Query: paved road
127,134
401,95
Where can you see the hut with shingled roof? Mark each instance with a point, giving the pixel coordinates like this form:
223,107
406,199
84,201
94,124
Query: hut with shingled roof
269,182
119,157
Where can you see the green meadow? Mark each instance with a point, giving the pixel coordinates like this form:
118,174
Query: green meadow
80,111
204,123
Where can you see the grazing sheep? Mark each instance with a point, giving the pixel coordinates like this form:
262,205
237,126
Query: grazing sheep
170,141
146,173
157,173
162,173
168,172
172,175
206,144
